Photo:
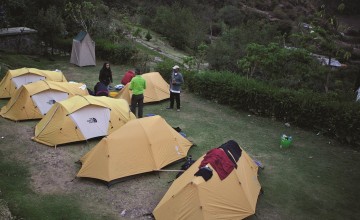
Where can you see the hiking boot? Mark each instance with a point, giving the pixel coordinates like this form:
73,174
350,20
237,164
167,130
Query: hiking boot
178,110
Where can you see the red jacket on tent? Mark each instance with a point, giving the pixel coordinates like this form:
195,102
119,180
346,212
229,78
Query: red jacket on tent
127,77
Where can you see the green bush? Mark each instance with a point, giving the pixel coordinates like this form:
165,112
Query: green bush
306,109
118,53
165,69
63,44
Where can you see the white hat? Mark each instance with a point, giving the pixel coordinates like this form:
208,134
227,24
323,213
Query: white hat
176,67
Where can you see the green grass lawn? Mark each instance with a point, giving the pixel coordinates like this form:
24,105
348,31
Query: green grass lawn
316,178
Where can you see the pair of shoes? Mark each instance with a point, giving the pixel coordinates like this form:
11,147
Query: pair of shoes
168,108
178,110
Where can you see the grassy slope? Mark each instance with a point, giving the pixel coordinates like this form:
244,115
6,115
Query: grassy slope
315,179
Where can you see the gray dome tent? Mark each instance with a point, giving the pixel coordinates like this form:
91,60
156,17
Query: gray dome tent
83,50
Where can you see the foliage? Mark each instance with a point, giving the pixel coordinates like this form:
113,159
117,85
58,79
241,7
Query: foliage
165,68
322,37
91,17
119,53
231,15
148,36
49,25
302,108
181,27
232,44
64,45
286,67
137,33
194,62
189,61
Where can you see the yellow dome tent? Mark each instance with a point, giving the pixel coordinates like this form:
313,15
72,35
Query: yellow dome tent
34,100
191,197
157,89
141,145
14,79
81,118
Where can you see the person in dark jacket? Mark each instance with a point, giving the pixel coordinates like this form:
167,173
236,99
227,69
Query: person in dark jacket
105,75
100,89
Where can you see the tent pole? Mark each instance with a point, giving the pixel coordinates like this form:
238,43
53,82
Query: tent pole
170,170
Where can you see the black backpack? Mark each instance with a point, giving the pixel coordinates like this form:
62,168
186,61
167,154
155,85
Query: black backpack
186,165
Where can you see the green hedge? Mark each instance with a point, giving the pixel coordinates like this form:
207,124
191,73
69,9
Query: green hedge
119,53
319,112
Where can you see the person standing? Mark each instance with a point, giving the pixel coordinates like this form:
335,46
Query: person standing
176,80
137,86
105,75
357,88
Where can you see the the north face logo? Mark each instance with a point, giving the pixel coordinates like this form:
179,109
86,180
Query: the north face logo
92,120
51,102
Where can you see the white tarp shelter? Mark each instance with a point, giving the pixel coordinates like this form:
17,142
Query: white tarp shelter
83,50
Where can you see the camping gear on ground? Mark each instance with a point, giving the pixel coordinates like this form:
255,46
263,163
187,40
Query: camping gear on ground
81,118
285,141
157,89
83,50
119,87
34,100
14,79
113,94
186,165
141,145
192,197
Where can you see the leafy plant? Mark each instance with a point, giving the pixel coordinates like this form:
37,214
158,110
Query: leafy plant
148,36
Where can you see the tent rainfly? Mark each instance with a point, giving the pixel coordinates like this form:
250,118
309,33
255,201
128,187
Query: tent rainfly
83,50
14,79
157,89
141,145
34,100
192,197
81,118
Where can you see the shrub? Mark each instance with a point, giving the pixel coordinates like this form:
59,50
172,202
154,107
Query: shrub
319,112
148,36
63,44
165,68
118,53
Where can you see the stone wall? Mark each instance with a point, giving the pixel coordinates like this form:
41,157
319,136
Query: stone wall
21,43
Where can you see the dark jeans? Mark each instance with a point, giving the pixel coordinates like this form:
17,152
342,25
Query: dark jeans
139,101
175,96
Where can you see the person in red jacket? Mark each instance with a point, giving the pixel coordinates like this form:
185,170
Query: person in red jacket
127,77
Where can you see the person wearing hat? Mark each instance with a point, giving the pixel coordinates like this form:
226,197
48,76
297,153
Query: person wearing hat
176,80
137,86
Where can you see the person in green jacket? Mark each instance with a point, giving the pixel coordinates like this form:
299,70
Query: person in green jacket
137,86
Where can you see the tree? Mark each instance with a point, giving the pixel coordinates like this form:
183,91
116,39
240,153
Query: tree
50,25
322,38
231,15
224,53
287,67
148,36
90,17
180,26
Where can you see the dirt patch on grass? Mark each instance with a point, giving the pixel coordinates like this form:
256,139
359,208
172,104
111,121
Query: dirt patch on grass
53,171
4,210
